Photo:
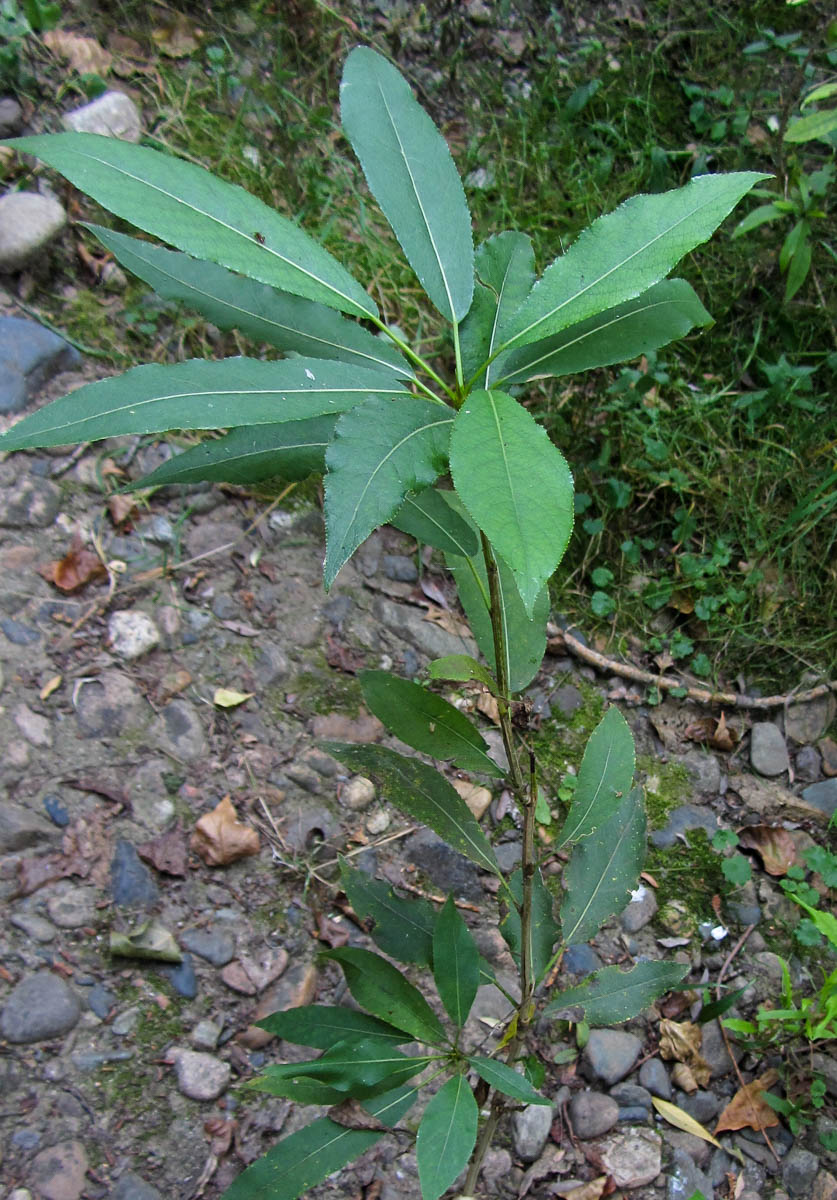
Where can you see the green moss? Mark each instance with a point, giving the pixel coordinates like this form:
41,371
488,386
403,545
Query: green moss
690,874
666,787
559,743
125,1084
324,691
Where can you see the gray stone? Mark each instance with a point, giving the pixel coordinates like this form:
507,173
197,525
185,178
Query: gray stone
632,1156
631,1095
21,829
100,1001
17,633
216,948
132,633
581,960
74,907
35,728
42,1006
29,356
35,927
400,568
358,793
654,1076
701,1105
768,750
681,820
685,1178
805,723
111,115
131,881
28,223
567,700
182,976
107,705
807,765
704,771
127,1021
31,503
799,1170
200,1076
448,869
131,1187
271,665
530,1130
205,1035
610,1054
11,116
822,796
58,1173
640,911
427,637
592,1114
181,731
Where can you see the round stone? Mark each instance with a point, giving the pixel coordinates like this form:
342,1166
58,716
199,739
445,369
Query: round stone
768,751
201,1076
42,1006
358,793
530,1130
592,1114
112,115
73,908
28,222
611,1053
132,633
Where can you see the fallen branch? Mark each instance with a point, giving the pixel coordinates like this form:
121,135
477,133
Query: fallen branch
669,683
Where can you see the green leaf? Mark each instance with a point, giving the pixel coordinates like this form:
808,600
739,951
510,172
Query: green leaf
623,253
188,207
505,270
411,174
612,996
380,987
380,452
422,793
603,870
506,1080
321,1025
302,1091
544,930
605,775
525,637
716,1008
456,963
446,1137
816,125
200,394
232,302
359,1068
461,668
403,928
429,518
798,270
425,721
759,216
292,450
737,870
515,484
664,313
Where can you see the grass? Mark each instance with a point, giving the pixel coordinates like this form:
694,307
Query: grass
709,472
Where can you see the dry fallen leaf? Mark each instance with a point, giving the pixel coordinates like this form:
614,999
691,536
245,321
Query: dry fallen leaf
477,797
448,621
121,508
682,1077
775,847
681,1041
487,705
748,1108
582,1191
83,54
178,38
352,1115
167,852
149,940
50,686
681,1120
220,838
547,1164
75,569
229,698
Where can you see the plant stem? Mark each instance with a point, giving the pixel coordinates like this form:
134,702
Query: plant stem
408,351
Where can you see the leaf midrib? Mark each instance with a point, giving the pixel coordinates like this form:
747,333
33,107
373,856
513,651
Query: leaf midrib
624,833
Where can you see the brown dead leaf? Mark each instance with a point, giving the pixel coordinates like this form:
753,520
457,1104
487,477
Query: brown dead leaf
681,1041
83,54
717,734
221,1132
448,621
120,43
487,705
167,852
775,847
177,38
433,592
249,976
241,628
547,1164
100,787
220,838
76,569
682,602
33,873
748,1108
571,1190
172,683
682,1077
121,508
351,1115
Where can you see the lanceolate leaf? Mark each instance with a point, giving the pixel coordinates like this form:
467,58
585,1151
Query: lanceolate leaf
603,870
292,450
622,254
359,1067
463,669
322,1025
665,312
302,1090
381,451
515,484
232,302
446,1137
200,394
381,988
425,721
507,1081
428,517
612,996
412,176
402,928
422,793
456,963
605,775
544,929
505,270
190,208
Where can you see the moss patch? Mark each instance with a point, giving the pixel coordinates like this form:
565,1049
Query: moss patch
666,787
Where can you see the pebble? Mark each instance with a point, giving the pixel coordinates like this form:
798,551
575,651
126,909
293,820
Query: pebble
805,723
11,116
641,910
828,749
807,765
200,1076
581,960
58,1173
530,1130
567,700
111,115
74,907
132,633
182,733
822,796
35,927
799,1170
100,1001
680,821
427,637
19,634
28,223
358,793
378,823
182,976
21,829
131,882
610,1054
631,1095
633,1157
108,705
400,567
448,869
701,1105
654,1077
592,1114
125,1024
216,948
768,750
42,1006
56,811
704,771
685,1178
33,503
132,1187
205,1035
29,357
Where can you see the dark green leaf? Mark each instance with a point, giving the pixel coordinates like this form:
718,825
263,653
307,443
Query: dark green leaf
505,270
665,312
515,484
605,775
321,1025
612,996
292,450
425,721
359,1068
411,174
190,208
302,1090
381,988
506,1080
603,870
232,302
456,963
403,928
717,1008
429,518
462,669
380,452
446,1137
544,930
200,394
422,793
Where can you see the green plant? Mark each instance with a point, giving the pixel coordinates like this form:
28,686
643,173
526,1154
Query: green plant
18,21
389,428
